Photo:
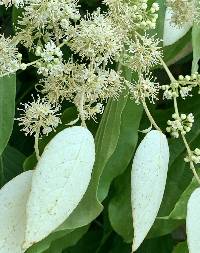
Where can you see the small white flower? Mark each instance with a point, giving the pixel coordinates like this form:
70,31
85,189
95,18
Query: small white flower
39,117
146,87
51,60
143,53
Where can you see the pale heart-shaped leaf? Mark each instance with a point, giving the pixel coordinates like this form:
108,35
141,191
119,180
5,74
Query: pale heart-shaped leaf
148,179
193,222
13,199
171,32
60,180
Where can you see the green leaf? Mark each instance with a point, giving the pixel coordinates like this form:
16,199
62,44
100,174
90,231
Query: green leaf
120,212
163,227
115,244
180,209
68,240
161,244
196,47
58,241
16,13
178,50
1,173
181,248
30,162
88,243
46,243
90,3
7,108
126,124
178,214
11,163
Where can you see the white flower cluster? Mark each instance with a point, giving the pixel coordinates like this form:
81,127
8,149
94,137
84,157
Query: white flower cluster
146,87
143,53
10,58
140,52
96,38
131,16
51,60
79,80
194,156
182,124
39,117
44,19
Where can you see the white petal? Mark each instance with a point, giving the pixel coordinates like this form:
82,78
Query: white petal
148,179
13,199
60,180
193,222
173,33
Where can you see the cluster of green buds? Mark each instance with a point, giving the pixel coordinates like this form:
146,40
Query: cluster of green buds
180,124
190,81
150,22
194,156
182,86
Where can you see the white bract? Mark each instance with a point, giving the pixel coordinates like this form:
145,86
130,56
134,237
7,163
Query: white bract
193,222
148,179
60,180
13,199
173,33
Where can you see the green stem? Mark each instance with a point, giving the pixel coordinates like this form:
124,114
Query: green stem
32,63
171,77
36,146
150,117
82,114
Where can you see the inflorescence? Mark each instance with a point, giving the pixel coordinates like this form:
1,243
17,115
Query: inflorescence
98,41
